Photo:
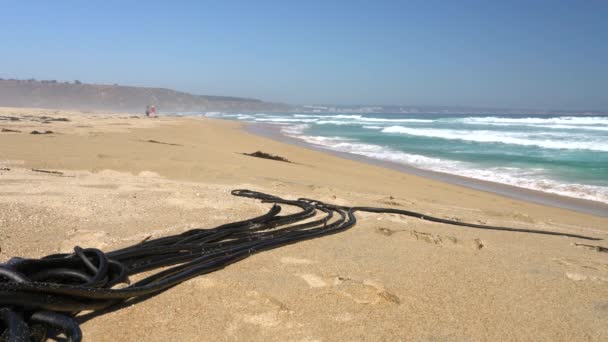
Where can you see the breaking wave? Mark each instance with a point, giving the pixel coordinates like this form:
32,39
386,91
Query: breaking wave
556,145
566,120
535,179
525,139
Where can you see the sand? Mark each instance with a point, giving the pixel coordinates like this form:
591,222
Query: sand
389,278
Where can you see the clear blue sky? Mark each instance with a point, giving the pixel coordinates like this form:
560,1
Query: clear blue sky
537,54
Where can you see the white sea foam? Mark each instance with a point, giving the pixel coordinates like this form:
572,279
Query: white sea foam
211,113
544,140
573,133
346,116
364,121
244,117
535,179
327,116
394,120
370,150
336,122
592,128
555,126
355,119
567,120
294,130
340,120
283,119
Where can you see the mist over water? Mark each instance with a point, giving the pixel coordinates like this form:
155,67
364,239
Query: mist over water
566,155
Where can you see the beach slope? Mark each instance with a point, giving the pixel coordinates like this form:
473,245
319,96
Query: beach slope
120,178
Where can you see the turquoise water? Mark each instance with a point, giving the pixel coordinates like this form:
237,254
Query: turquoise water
567,155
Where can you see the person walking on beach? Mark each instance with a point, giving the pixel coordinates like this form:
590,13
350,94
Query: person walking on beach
148,111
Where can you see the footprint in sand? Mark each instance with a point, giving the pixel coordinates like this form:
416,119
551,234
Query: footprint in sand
440,240
262,311
478,244
85,238
295,261
266,319
364,292
435,239
267,301
387,231
580,277
367,292
584,271
313,280
601,307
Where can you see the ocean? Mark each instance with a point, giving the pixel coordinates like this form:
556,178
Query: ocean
565,155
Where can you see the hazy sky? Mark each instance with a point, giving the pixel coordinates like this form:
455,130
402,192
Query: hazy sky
537,54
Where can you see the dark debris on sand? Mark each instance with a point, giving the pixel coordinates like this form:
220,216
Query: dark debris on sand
45,132
45,119
162,143
48,171
592,247
9,118
264,155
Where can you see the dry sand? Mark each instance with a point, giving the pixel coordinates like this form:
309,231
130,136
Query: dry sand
388,279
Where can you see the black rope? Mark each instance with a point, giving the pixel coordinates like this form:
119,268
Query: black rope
42,297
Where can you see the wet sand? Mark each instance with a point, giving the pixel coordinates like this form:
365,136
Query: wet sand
389,278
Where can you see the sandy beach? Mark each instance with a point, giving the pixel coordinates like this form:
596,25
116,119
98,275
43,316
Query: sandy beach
119,178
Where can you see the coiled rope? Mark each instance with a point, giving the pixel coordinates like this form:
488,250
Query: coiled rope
42,297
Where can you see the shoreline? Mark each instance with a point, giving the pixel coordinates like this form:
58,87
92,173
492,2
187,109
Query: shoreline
115,180
527,195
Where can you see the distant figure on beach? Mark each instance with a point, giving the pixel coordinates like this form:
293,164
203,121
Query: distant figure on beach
150,111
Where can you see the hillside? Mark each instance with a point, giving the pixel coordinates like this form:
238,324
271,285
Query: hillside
80,96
